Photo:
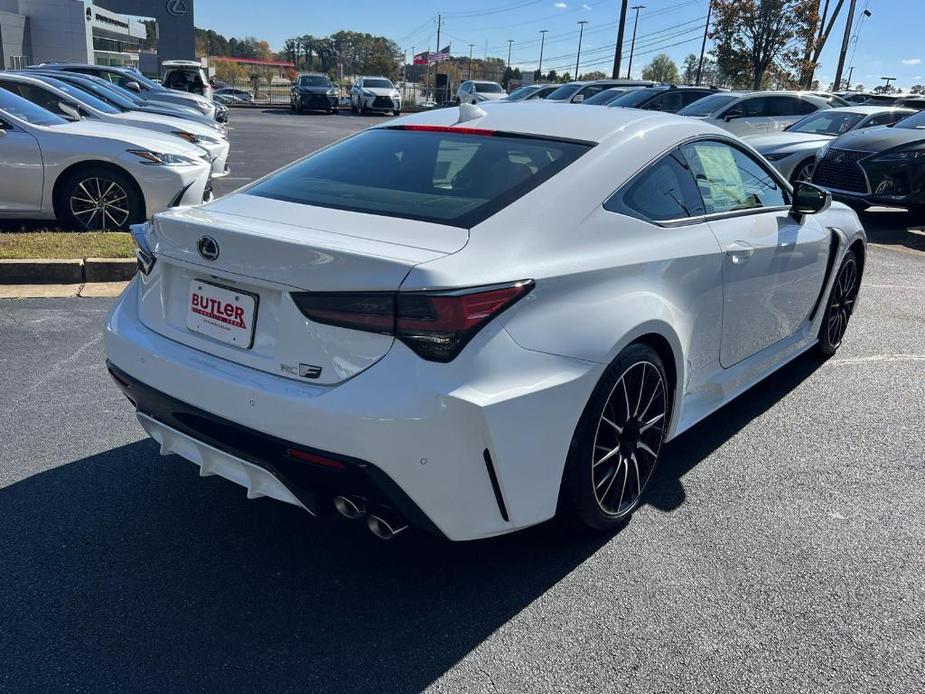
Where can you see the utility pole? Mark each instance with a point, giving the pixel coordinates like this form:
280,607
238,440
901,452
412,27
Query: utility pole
850,72
470,61
437,62
581,33
618,55
543,33
703,46
510,42
629,70
844,45
887,85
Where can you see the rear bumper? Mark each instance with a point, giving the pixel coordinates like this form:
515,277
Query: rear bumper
424,428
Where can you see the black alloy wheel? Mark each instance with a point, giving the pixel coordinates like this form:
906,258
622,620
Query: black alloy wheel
842,300
618,440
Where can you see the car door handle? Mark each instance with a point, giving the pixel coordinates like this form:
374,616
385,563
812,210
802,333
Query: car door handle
739,251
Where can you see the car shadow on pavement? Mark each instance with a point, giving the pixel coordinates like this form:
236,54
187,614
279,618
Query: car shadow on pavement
160,580
894,228
682,454
125,571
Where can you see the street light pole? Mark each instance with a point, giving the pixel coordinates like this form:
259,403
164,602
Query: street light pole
844,46
618,54
581,33
543,33
629,69
703,46
510,42
470,60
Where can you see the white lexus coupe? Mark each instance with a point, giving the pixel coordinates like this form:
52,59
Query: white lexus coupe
501,316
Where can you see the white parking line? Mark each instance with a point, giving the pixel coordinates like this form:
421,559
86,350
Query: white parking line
877,357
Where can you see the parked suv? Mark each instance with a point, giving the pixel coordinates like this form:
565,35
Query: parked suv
474,91
187,76
314,92
374,94
669,99
761,112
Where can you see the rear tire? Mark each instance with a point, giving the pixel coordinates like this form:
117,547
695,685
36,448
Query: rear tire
617,442
840,306
99,198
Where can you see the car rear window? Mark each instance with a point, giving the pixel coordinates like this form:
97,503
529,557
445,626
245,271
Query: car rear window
434,176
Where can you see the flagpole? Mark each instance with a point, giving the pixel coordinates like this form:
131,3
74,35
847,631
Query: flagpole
437,62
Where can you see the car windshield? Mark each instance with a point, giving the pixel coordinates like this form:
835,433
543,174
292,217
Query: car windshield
110,96
708,104
913,122
441,177
520,93
637,97
603,97
564,92
377,84
314,81
81,95
827,123
24,110
488,88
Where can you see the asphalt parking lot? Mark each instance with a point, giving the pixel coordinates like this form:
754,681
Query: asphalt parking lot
781,547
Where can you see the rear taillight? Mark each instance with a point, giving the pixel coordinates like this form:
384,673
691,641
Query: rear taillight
436,325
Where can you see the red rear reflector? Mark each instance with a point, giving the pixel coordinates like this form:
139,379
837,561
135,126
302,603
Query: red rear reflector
315,458
449,129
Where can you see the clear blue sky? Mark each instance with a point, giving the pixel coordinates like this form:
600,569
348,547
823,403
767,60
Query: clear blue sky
889,44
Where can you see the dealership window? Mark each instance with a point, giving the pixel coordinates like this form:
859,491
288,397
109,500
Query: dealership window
18,62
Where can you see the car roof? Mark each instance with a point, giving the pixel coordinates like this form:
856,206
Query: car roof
550,120
870,110
481,81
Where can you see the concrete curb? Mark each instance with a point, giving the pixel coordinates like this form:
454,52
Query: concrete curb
77,271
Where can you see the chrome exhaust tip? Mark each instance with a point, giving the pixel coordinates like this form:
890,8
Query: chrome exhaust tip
350,507
385,529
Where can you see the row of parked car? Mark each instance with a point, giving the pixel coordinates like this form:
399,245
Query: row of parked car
868,149
98,147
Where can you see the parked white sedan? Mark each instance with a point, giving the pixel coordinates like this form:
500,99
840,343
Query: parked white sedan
71,103
793,152
91,175
501,315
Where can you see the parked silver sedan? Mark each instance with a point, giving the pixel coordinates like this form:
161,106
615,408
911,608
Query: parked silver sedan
793,151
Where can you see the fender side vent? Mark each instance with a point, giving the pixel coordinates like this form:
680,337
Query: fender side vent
833,250
489,465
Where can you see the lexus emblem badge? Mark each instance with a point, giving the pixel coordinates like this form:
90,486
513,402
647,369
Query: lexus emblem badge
207,247
177,8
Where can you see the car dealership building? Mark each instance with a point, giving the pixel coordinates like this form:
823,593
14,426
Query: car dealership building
103,32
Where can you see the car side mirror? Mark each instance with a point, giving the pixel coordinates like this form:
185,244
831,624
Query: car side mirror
732,116
578,99
134,86
809,199
69,111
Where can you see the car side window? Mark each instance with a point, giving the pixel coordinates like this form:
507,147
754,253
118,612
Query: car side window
37,95
689,97
664,192
801,108
730,180
669,101
883,119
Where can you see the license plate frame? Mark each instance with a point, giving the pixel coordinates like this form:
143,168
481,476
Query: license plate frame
212,324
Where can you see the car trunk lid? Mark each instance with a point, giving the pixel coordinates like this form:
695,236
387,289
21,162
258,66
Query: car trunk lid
266,250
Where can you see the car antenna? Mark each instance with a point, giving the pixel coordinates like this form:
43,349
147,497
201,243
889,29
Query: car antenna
469,112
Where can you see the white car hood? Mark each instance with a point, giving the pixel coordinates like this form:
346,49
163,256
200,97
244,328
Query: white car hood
786,140
379,91
172,121
131,136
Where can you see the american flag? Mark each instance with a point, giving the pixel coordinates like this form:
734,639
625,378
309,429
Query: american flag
440,56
